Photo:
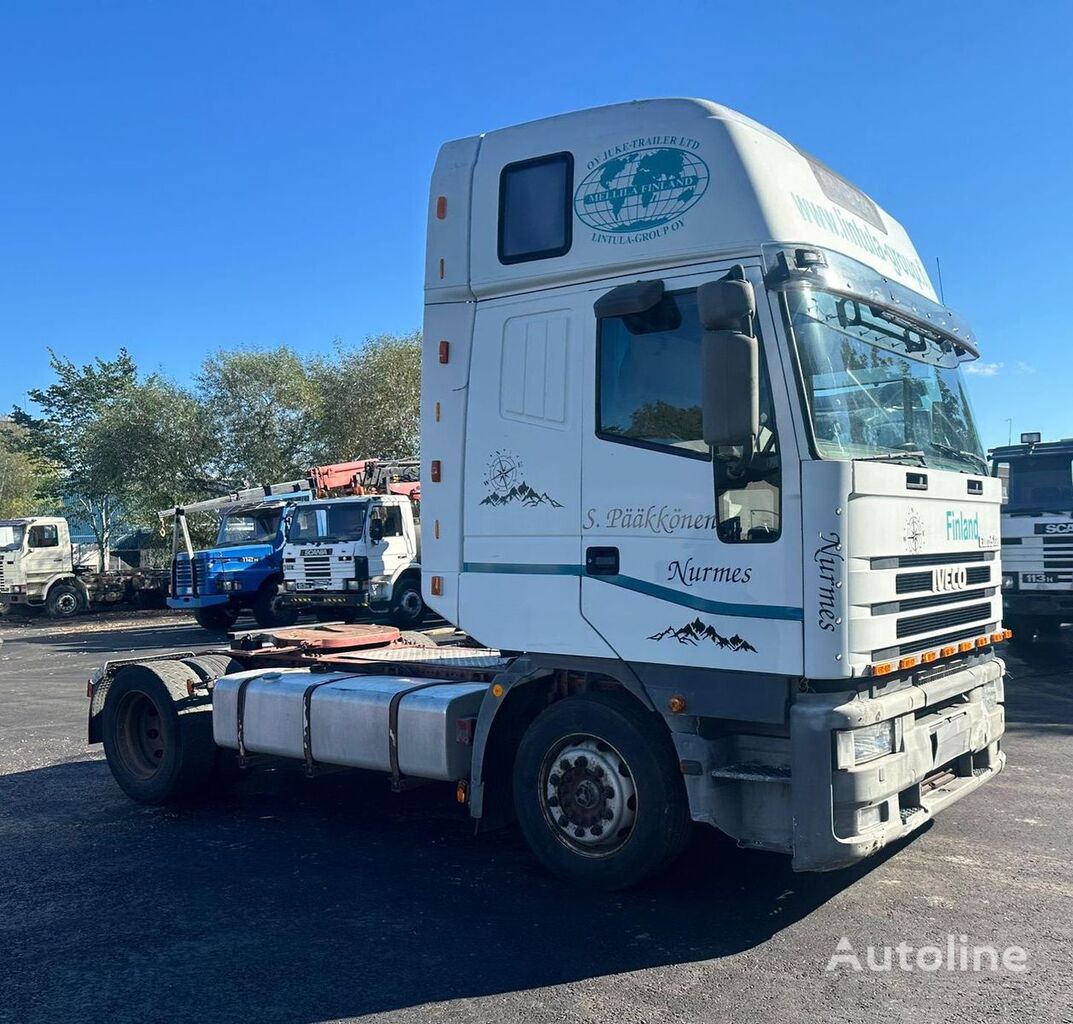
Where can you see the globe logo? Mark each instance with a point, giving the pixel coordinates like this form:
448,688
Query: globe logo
641,190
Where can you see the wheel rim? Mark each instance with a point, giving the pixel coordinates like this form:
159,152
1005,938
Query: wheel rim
66,603
588,796
410,604
140,734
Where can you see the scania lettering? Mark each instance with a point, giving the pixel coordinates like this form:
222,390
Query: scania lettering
787,390
1037,534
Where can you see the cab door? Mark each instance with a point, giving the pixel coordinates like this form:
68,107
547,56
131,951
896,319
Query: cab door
685,563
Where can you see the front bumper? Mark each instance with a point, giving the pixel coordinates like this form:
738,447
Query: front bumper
787,792
324,598
200,601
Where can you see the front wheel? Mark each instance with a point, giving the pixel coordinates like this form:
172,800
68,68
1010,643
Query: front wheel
65,601
217,618
407,604
598,793
269,609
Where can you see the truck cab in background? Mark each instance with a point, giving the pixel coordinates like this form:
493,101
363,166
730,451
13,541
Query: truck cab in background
40,568
347,554
1037,534
243,570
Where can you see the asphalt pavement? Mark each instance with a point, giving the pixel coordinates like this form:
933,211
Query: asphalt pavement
286,899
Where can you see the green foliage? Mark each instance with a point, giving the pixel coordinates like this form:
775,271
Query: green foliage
370,400
21,477
263,405
125,447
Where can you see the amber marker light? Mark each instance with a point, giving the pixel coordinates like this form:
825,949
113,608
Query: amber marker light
434,471
908,663
929,656
677,705
497,689
437,586
965,646
884,668
997,638
441,207
945,652
1007,634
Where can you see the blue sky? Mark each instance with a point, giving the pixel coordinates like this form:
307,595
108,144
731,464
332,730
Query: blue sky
181,177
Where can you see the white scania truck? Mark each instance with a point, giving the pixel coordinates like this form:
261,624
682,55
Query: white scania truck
1037,534
699,468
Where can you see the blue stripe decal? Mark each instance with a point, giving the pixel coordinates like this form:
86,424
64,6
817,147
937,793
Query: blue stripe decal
700,604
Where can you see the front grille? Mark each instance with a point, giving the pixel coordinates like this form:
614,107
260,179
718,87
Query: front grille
916,646
4,588
911,582
931,601
184,575
947,558
917,624
318,568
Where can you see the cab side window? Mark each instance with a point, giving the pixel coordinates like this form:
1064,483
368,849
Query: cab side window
534,208
44,536
392,520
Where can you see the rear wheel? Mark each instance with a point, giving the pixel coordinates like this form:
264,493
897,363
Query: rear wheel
407,604
598,793
269,609
218,618
65,601
158,741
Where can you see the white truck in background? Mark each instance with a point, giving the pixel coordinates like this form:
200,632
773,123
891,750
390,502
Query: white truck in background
344,555
700,469
1037,534
42,569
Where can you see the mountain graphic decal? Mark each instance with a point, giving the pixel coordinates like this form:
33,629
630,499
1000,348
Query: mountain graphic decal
694,632
522,493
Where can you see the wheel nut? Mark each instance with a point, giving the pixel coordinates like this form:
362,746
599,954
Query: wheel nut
608,814
553,801
555,779
564,765
597,830
581,762
579,833
562,821
598,771
608,793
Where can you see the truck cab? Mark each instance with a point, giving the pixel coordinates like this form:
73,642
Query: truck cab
242,571
347,554
694,425
37,565
1037,534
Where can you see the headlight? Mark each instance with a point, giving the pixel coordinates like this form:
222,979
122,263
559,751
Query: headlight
288,584
859,746
352,584
1009,580
378,589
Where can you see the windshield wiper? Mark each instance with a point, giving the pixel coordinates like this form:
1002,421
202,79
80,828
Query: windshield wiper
956,453
893,457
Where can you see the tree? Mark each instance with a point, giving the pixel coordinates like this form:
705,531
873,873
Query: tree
19,474
63,436
370,400
263,405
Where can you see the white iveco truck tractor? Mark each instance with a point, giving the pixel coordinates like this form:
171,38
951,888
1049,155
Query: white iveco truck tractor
1037,534
700,470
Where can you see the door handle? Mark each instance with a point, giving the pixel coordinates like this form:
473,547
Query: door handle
601,561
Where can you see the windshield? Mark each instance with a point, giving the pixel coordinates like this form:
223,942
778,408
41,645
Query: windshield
11,535
879,386
1038,483
257,526
345,521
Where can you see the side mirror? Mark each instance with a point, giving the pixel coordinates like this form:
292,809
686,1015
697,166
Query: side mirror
376,528
731,389
730,362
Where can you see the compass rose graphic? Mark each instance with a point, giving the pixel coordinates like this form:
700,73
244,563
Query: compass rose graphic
504,472
914,531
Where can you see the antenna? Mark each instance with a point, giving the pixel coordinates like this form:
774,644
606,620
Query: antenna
939,269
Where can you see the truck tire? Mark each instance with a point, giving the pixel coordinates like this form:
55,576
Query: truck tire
217,618
158,740
598,792
65,601
407,605
269,612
